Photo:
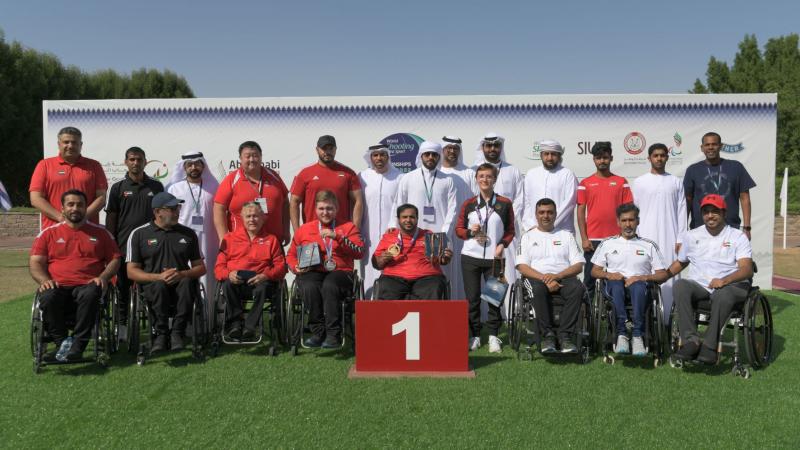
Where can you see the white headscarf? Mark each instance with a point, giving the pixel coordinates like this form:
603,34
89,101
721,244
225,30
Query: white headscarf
429,147
456,141
550,145
210,183
490,137
374,149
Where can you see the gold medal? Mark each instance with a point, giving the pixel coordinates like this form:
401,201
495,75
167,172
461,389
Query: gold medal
393,250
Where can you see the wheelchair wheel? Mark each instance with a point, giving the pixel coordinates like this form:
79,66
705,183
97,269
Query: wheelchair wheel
658,329
199,326
673,339
38,346
583,339
599,327
294,319
277,313
104,338
134,322
758,330
514,316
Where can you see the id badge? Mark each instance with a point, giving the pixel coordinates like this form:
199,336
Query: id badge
428,213
197,222
262,202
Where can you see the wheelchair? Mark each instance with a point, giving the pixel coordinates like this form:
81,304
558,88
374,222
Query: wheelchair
270,323
523,330
605,323
376,286
752,320
296,316
141,324
102,338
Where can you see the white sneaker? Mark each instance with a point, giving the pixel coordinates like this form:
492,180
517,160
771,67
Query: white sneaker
474,343
495,344
638,346
622,346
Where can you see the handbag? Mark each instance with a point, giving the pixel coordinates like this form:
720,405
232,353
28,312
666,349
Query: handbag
495,288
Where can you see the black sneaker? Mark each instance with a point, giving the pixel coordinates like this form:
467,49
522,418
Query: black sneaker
687,352
176,342
234,333
74,355
331,343
159,344
549,344
313,342
50,356
707,355
249,334
567,346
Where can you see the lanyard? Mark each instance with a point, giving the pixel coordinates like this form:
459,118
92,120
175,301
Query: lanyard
327,242
413,240
196,203
719,178
489,210
429,193
260,183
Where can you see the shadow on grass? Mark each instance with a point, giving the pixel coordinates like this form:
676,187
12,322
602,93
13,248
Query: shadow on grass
478,362
778,305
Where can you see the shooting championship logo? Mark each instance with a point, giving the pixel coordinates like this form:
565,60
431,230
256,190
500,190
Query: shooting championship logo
156,169
403,149
536,155
634,143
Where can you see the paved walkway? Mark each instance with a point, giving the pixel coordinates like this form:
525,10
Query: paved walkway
21,243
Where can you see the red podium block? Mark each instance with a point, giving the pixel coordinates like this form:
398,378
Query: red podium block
425,338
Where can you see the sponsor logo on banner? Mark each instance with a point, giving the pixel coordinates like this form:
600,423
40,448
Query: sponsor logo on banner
536,154
234,164
585,147
732,148
403,149
156,169
115,171
675,150
634,143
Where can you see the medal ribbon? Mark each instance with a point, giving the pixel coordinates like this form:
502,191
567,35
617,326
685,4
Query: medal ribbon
327,242
413,240
489,210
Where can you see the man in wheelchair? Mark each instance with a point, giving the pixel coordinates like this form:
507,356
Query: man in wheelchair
164,257
250,264
550,262
722,269
407,272
321,255
72,261
627,263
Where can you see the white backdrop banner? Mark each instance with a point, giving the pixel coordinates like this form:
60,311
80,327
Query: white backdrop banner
287,129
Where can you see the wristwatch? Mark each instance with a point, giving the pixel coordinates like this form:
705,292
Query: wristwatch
747,227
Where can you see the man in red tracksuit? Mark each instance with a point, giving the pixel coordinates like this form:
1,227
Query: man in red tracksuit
407,272
325,285
250,264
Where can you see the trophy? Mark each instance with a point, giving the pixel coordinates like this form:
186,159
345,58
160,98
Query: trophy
435,244
308,255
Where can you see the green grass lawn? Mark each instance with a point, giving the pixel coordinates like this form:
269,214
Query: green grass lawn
244,399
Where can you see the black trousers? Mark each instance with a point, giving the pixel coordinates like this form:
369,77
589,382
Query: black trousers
588,279
425,288
60,303
572,295
473,270
686,294
323,294
124,290
164,299
235,294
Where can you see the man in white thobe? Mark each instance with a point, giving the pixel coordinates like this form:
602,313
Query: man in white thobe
466,187
662,206
380,182
554,181
491,149
434,193
193,183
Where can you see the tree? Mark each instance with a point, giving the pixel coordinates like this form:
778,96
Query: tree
27,77
777,69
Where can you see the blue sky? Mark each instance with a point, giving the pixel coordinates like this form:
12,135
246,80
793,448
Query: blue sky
311,48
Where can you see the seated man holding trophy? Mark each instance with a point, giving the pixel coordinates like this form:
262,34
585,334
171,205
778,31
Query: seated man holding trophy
321,255
411,269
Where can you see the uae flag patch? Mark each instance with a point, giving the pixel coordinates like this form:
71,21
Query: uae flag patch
640,252
726,244
152,241
92,239
556,242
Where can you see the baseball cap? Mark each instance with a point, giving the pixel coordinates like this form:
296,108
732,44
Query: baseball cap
165,200
713,200
326,140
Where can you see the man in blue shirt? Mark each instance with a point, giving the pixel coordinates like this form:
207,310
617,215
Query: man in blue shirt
724,177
